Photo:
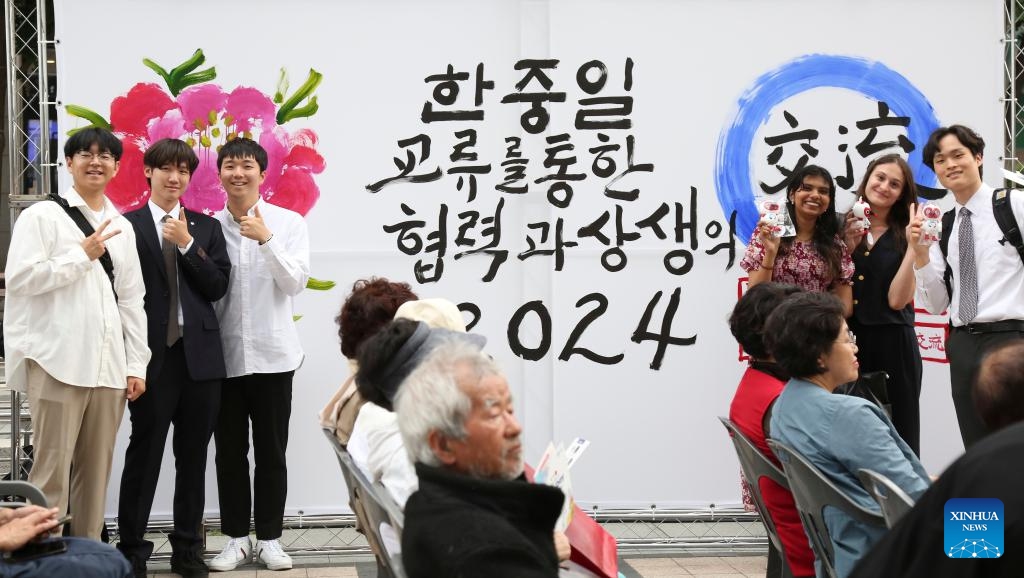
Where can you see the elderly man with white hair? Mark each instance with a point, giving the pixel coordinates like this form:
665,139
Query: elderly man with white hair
474,513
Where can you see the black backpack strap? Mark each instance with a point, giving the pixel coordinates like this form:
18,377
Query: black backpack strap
83,224
947,227
1003,211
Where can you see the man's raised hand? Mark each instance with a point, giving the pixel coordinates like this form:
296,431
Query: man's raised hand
94,245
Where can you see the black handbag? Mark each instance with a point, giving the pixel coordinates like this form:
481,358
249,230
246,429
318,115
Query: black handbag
872,387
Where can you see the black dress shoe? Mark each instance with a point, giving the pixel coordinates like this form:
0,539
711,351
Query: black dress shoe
189,564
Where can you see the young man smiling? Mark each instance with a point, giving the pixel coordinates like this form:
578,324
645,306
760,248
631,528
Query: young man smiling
186,268
986,305
269,247
75,329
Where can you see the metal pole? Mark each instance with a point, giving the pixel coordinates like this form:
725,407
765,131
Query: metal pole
45,157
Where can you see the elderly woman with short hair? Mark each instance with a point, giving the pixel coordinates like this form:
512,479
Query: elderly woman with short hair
839,434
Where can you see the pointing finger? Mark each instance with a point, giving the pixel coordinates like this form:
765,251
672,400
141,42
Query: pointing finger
109,235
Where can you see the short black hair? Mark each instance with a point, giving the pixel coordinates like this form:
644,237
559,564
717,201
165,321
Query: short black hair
747,319
242,148
170,151
998,389
802,329
965,135
101,138
376,355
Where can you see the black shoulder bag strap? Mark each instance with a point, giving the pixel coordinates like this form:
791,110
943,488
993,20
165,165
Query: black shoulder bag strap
83,224
1003,212
947,227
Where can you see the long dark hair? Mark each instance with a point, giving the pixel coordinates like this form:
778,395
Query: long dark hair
825,227
899,214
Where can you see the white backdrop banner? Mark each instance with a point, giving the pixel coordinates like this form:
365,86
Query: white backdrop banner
580,176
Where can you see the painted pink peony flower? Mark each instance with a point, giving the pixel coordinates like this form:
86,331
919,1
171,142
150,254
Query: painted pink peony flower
205,116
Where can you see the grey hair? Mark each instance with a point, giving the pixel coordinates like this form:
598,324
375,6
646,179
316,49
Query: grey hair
430,399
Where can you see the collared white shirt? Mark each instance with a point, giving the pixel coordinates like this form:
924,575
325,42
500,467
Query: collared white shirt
1000,270
60,310
158,215
256,325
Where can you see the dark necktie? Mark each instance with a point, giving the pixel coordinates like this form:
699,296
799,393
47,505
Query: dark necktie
171,266
968,268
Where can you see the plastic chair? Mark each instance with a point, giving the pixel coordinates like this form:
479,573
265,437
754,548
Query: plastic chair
373,507
756,466
20,489
890,497
812,492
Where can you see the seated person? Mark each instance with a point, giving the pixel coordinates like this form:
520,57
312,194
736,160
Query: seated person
751,407
83,558
998,389
474,513
991,468
377,445
839,434
371,305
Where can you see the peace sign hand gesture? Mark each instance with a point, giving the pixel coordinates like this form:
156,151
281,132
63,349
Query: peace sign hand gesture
94,245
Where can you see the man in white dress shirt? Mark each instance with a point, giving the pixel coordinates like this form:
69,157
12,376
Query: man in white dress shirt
75,329
269,251
986,301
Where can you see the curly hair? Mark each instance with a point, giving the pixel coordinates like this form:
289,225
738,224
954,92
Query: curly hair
370,306
802,329
747,319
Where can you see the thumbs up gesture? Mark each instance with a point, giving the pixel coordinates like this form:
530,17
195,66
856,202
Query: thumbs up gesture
253,227
176,230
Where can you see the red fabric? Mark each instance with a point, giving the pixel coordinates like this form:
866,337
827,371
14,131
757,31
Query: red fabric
754,395
592,546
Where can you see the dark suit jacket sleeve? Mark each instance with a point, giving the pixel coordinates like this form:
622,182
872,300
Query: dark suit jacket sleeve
208,268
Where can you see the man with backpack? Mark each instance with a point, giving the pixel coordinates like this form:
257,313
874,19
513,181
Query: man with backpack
976,270
75,329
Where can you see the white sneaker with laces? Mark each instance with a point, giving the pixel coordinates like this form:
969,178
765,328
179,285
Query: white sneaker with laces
236,551
270,554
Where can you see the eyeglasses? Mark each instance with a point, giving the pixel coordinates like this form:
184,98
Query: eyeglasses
90,156
851,338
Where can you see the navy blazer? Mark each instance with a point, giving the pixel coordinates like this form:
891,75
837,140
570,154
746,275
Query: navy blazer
203,273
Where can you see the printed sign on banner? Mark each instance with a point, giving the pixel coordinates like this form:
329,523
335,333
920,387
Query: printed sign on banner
580,178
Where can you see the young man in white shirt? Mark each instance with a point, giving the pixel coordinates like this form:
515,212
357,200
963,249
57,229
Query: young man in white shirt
76,333
269,251
986,305
185,267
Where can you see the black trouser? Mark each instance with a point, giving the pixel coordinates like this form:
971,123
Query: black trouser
266,400
171,397
894,350
964,351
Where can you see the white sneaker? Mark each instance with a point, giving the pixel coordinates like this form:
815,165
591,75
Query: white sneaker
236,551
270,554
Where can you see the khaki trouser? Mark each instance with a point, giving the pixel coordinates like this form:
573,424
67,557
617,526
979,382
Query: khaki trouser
74,430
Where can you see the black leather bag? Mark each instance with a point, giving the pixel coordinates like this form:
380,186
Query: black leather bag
872,387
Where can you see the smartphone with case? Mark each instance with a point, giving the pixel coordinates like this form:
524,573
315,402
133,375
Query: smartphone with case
34,550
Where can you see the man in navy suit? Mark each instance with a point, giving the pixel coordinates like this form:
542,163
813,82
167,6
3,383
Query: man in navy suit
185,267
